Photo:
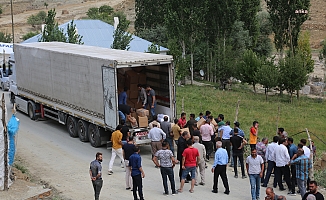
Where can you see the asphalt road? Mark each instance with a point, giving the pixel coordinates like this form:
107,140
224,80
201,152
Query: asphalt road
63,162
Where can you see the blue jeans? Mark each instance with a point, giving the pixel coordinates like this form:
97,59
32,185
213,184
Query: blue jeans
186,171
168,172
302,185
170,142
152,110
255,185
270,167
122,116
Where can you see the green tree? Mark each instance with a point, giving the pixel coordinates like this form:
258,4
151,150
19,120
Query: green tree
29,35
0,10
153,49
72,35
267,75
293,73
46,5
106,9
51,31
5,37
157,35
93,13
304,51
121,39
41,15
286,21
248,68
37,19
150,14
263,46
322,53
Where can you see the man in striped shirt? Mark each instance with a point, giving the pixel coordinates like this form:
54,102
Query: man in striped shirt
302,165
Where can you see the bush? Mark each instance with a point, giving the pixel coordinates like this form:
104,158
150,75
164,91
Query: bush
37,19
29,35
320,177
4,37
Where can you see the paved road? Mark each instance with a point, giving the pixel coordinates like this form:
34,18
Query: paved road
63,162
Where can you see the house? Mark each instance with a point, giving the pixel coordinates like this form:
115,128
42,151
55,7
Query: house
100,34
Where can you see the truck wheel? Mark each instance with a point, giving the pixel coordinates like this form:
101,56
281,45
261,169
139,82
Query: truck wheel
82,130
72,126
94,135
31,111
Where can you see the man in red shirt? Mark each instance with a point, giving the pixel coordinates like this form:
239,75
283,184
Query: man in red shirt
190,159
182,121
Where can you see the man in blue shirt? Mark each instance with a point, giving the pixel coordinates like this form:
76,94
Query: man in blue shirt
292,151
219,167
123,96
137,174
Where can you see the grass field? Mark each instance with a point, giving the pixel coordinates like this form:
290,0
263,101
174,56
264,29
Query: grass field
294,118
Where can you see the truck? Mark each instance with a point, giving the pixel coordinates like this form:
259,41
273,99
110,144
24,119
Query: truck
77,85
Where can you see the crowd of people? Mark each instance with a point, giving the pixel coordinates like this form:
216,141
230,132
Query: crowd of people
207,138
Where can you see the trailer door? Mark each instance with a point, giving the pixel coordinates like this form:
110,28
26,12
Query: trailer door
110,97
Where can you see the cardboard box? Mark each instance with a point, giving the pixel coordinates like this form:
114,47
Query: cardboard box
132,94
200,122
142,112
143,121
185,129
132,76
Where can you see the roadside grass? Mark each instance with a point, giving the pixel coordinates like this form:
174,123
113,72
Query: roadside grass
294,117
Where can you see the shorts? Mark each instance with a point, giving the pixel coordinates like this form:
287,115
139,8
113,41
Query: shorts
186,171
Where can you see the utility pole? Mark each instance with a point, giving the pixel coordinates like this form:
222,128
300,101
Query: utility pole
12,23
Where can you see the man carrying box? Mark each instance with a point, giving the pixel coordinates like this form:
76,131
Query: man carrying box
125,113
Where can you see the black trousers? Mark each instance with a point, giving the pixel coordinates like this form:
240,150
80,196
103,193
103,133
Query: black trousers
208,146
293,177
226,144
97,185
270,168
137,182
235,163
220,170
285,170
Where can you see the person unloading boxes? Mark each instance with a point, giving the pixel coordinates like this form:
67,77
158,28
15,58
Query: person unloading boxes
125,114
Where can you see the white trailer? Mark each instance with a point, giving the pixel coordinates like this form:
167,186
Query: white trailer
76,85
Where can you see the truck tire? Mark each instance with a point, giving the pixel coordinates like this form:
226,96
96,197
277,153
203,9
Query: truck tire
94,135
72,126
82,127
31,110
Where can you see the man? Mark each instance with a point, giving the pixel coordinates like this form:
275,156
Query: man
116,140
166,127
201,164
302,165
128,150
313,190
255,166
125,113
95,172
137,174
207,114
261,150
219,168
157,136
253,135
125,132
197,133
190,124
282,159
272,196
142,96
182,121
166,166
292,151
280,132
190,159
199,117
306,150
182,145
238,143
240,131
122,98
151,99
225,131
158,124
270,161
176,131
206,132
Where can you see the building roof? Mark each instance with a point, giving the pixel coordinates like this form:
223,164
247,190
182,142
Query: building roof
100,34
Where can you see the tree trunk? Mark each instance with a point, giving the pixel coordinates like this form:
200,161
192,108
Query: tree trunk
298,94
192,67
266,93
254,85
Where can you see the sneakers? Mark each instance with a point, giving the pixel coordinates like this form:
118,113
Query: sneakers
235,176
201,183
292,194
166,194
243,177
110,172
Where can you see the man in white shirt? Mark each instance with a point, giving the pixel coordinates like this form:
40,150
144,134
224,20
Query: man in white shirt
255,166
157,136
201,165
270,161
282,159
224,132
306,150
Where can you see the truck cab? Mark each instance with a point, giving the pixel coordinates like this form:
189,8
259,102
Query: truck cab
5,72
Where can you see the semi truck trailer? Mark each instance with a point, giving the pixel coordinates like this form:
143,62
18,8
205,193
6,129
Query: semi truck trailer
77,85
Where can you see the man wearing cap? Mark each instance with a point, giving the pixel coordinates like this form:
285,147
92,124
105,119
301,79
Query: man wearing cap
201,165
206,132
